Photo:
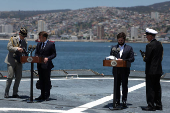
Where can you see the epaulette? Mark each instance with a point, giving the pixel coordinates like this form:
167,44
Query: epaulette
11,39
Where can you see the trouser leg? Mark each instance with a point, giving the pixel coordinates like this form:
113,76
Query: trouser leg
158,92
150,94
117,84
124,87
40,72
18,75
9,78
8,85
45,82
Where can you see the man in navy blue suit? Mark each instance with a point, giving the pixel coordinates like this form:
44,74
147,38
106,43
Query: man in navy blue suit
121,74
45,49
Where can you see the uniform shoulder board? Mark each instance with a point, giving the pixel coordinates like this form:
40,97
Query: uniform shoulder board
11,39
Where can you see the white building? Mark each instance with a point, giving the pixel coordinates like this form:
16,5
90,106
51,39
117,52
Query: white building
134,33
2,28
91,34
33,36
42,26
155,15
123,29
73,37
6,28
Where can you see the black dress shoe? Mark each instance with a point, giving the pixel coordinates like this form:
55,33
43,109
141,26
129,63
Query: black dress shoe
148,108
39,98
15,96
158,107
124,104
117,103
46,99
6,95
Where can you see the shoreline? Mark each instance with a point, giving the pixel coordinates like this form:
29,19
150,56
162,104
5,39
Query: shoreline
89,41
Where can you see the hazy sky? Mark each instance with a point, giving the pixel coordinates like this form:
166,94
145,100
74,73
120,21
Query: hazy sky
15,5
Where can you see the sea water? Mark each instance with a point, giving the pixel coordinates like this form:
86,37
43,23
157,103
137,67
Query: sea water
88,55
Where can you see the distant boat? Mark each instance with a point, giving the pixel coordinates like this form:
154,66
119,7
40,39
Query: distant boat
135,54
37,40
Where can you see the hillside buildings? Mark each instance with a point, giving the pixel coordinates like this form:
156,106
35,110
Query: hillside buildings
97,23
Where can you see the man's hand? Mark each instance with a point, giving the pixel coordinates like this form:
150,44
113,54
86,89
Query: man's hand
119,59
20,49
45,60
142,53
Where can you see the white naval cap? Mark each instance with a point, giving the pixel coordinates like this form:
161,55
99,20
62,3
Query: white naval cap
151,31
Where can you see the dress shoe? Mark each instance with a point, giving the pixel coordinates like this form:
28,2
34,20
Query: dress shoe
124,104
6,95
15,96
117,103
46,96
158,107
39,98
46,99
148,108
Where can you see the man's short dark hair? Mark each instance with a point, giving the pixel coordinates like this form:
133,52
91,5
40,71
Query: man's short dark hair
121,35
43,33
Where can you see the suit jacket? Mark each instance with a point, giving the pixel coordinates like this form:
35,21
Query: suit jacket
48,51
153,57
12,46
127,55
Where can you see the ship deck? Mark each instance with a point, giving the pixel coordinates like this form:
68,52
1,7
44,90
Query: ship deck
82,94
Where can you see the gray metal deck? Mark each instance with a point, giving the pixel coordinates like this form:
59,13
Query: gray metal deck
86,94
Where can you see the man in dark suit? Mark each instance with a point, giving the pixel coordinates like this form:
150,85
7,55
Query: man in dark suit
153,70
45,49
121,74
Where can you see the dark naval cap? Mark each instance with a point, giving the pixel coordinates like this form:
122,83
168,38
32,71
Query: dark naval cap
151,31
23,32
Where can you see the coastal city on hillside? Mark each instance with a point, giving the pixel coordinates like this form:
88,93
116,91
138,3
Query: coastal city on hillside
98,23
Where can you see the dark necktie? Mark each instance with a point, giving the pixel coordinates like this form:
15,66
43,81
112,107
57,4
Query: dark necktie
42,45
20,43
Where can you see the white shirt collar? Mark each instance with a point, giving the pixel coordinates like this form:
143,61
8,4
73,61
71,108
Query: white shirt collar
19,39
45,42
121,46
